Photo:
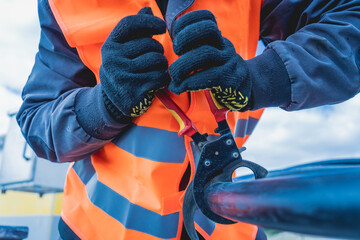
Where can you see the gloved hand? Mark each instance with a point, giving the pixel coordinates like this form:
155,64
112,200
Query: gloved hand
133,65
208,61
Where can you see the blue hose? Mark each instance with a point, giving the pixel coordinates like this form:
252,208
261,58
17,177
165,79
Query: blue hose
321,198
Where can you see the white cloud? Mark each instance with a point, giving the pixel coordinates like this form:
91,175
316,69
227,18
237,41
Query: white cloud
285,138
19,39
18,42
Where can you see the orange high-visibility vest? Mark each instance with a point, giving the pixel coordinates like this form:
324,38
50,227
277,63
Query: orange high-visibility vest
130,188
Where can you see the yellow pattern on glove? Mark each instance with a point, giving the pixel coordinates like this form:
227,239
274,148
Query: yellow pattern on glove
230,98
143,105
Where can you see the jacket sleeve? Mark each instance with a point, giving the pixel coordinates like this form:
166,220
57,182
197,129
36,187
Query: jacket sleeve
63,116
315,46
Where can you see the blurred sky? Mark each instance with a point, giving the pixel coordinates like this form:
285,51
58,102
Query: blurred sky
281,138
18,44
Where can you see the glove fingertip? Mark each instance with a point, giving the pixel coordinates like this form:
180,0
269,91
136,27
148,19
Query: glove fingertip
174,89
146,10
161,26
192,17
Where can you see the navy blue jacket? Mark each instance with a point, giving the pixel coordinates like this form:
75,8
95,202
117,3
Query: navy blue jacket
312,58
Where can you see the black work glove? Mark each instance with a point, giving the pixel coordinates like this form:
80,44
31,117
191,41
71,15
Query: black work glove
208,61
133,65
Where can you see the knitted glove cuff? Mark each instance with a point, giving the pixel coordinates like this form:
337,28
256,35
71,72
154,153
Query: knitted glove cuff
271,84
115,113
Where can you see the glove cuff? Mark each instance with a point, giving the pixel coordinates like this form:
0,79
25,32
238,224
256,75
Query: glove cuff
115,113
92,116
271,86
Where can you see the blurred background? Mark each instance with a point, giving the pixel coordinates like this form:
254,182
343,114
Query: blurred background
281,138
30,199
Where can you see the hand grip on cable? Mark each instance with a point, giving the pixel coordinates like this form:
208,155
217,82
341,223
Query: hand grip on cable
133,65
208,61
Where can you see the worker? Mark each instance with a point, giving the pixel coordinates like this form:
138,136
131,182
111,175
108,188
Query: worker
91,96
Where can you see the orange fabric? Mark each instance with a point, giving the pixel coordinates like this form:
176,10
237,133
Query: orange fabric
142,182
86,23
256,114
157,116
199,112
149,184
234,231
99,225
240,230
240,141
